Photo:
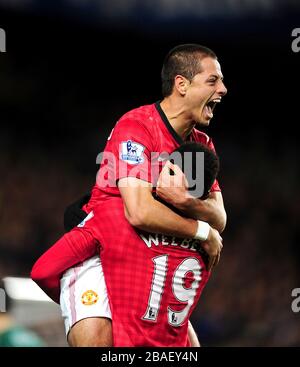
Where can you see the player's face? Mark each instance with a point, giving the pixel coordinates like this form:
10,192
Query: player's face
204,91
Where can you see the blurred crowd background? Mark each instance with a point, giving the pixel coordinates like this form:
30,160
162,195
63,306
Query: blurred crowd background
72,68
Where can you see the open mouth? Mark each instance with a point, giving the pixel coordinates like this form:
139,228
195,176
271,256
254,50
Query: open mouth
210,106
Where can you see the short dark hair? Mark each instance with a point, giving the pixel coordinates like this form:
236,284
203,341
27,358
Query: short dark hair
183,60
211,163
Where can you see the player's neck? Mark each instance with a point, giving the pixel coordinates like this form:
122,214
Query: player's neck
177,117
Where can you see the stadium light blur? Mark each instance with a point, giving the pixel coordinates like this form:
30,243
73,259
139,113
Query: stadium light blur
24,289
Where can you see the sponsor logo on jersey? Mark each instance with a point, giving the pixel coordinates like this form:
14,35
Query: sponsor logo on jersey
89,297
132,152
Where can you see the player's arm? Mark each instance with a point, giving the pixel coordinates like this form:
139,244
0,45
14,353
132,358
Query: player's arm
71,249
173,189
147,214
193,338
210,210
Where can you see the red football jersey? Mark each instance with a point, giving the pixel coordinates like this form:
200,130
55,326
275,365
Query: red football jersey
153,286
133,149
153,281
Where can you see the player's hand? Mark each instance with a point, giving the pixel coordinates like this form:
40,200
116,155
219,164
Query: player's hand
213,247
74,214
172,185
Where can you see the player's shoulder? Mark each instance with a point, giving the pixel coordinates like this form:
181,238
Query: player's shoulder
140,116
201,137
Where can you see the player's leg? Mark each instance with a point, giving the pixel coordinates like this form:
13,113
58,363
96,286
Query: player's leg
85,306
193,338
91,332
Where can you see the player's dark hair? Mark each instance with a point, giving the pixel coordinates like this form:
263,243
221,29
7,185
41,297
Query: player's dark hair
183,60
211,163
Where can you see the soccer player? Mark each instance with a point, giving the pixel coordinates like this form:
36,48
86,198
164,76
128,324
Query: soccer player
192,86
178,277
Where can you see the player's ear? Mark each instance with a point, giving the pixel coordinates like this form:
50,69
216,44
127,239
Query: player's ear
181,84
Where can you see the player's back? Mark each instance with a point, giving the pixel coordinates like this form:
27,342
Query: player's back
153,281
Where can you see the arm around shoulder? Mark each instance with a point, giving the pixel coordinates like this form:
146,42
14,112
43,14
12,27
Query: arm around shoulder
145,213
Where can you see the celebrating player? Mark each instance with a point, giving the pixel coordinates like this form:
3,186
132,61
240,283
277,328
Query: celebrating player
192,86
150,277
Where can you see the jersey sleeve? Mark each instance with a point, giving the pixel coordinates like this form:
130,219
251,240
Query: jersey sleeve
129,146
215,186
71,249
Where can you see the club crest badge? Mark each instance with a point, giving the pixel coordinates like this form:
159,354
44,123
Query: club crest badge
89,297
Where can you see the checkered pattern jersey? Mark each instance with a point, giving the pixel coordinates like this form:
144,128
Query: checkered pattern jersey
153,282
149,287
